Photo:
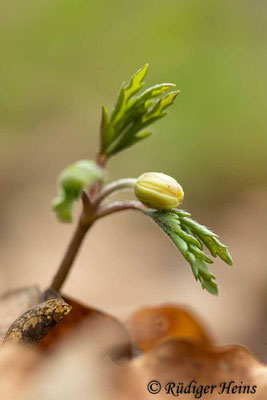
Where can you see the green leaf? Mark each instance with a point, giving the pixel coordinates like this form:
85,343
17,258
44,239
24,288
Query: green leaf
197,228
134,139
181,213
127,91
107,129
157,110
72,181
209,239
132,114
188,236
155,91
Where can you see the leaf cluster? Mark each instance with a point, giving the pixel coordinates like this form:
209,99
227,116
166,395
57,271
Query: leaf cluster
189,237
133,113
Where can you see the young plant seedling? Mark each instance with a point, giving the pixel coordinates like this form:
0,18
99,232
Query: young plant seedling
157,194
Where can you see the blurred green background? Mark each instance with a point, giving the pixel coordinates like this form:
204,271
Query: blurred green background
61,60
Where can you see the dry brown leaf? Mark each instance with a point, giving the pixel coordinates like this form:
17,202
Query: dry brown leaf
150,326
35,323
76,368
73,370
17,363
95,321
14,303
84,338
180,361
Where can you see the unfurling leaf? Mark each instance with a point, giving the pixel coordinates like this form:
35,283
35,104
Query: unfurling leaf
132,113
189,237
72,181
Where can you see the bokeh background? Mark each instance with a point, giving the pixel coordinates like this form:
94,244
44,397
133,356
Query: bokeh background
60,61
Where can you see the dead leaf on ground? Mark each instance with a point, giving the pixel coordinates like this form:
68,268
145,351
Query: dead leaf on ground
95,321
17,364
150,326
14,303
182,361
73,369
34,324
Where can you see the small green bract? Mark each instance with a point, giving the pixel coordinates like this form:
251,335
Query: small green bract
72,181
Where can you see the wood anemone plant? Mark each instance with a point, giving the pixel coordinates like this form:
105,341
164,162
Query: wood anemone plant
158,195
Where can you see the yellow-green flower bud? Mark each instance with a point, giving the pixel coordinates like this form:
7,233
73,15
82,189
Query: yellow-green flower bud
159,191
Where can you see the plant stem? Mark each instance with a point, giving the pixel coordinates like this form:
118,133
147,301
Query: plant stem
71,253
82,228
86,220
119,206
101,160
112,187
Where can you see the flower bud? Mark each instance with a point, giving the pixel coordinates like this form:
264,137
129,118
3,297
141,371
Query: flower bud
159,191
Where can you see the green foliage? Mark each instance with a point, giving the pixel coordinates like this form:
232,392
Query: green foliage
132,114
189,237
125,126
72,181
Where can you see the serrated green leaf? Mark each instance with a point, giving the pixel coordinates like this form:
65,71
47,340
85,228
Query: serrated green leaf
136,83
197,228
198,265
72,181
181,213
169,222
132,114
217,248
137,138
141,121
198,251
210,240
127,91
209,285
188,236
155,91
223,252
160,105
107,129
187,230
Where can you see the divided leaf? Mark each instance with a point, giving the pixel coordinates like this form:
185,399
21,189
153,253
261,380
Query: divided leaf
189,237
209,239
72,181
131,114
126,92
